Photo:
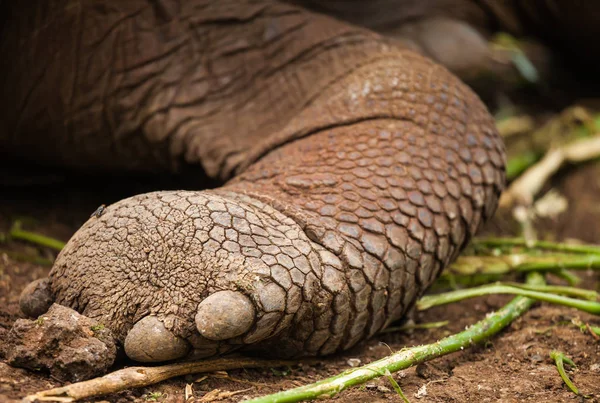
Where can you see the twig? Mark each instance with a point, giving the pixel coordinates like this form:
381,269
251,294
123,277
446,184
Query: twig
514,125
523,190
136,377
585,327
594,331
482,330
429,301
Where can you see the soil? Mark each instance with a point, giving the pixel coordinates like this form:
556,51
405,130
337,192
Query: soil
513,366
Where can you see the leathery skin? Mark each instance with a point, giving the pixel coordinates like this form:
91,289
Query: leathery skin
355,172
321,243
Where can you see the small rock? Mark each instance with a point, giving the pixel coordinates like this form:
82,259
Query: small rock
354,362
422,370
536,358
383,389
429,371
69,345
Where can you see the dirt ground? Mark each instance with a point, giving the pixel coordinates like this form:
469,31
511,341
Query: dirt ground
512,367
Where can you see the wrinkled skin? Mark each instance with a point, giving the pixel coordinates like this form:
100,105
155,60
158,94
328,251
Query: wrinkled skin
355,170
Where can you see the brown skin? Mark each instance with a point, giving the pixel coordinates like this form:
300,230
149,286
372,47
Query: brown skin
358,170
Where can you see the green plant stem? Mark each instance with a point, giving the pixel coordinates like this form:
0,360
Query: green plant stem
583,263
546,245
570,278
559,359
408,357
469,265
593,329
17,233
453,296
428,325
581,293
520,163
396,387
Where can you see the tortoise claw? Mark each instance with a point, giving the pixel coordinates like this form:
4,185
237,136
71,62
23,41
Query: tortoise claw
36,298
149,341
224,315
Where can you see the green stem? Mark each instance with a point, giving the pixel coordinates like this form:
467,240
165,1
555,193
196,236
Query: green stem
454,296
519,164
570,278
554,246
408,357
589,295
584,263
560,358
469,265
428,325
17,233
594,329
396,387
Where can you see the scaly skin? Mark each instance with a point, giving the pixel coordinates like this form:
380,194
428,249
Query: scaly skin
360,170
331,237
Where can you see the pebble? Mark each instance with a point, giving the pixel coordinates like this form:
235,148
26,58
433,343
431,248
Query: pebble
354,362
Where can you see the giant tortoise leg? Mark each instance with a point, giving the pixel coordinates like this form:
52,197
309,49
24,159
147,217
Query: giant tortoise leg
321,243
335,222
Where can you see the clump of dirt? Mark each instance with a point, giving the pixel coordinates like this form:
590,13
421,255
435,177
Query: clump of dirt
68,345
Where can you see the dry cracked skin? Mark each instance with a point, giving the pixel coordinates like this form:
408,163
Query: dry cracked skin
304,253
355,172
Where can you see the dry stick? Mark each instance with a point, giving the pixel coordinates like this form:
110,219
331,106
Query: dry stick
514,125
408,357
136,377
523,190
